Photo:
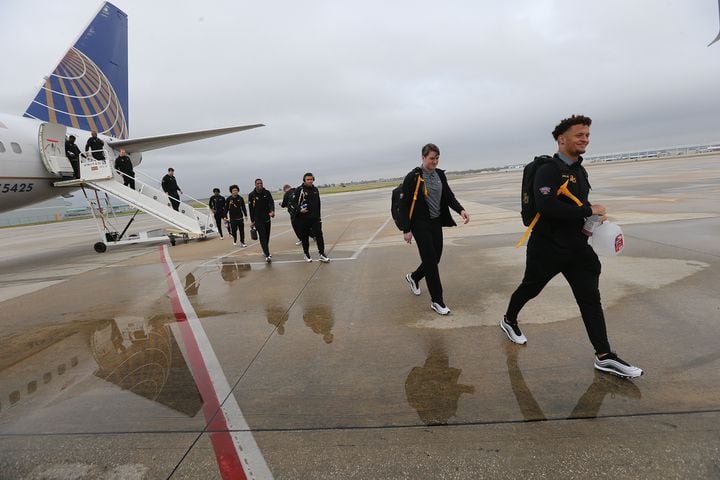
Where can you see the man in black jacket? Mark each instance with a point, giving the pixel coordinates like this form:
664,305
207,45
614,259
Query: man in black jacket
424,211
558,245
308,218
95,146
217,207
72,152
236,213
124,165
171,189
262,209
287,202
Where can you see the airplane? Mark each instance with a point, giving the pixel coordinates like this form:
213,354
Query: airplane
88,91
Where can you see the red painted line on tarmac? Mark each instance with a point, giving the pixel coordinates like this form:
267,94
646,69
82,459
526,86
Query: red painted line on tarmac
227,458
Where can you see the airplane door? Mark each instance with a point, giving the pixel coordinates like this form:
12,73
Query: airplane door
52,149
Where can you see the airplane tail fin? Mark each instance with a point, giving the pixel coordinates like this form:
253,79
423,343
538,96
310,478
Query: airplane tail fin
88,89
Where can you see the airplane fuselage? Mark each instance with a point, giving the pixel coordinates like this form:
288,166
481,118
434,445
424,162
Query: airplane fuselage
24,179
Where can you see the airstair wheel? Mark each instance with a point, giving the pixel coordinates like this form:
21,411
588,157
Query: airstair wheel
100,247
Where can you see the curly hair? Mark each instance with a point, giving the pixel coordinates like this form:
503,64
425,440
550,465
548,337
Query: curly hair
566,123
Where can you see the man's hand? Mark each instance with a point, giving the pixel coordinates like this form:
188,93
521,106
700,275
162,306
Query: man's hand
465,216
272,213
408,237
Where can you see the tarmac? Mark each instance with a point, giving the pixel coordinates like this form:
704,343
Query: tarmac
201,361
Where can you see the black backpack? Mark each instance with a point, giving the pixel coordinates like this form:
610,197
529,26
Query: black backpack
527,196
395,205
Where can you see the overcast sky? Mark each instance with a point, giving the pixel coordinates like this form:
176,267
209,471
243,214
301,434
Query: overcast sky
352,90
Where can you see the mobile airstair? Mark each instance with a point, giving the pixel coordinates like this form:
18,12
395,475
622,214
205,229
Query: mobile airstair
100,181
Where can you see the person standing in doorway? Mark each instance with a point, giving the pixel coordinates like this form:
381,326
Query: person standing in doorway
308,217
72,152
424,211
262,210
236,213
559,245
217,206
171,189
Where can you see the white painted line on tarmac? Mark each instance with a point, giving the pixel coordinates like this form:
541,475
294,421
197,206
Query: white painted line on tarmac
236,451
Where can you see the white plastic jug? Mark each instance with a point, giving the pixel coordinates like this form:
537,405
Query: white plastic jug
607,239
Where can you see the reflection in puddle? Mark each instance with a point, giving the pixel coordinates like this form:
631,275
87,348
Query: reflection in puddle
41,366
588,405
232,270
277,317
433,389
143,357
320,320
192,286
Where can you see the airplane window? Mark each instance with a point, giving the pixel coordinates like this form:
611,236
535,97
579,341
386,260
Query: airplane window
2,148
15,147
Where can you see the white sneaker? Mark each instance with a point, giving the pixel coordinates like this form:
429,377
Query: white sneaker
234,244
611,363
268,259
513,332
324,259
299,242
242,245
414,288
442,310
307,259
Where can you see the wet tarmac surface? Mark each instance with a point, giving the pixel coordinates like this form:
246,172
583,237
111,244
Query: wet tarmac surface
155,362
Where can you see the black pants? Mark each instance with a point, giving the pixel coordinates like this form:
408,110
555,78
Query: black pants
581,269
174,200
296,227
263,230
75,164
306,226
236,225
429,240
129,181
219,223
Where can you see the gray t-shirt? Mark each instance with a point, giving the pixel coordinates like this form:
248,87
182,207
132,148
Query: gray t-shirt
434,189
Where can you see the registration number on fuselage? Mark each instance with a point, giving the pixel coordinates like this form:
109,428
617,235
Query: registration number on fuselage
16,187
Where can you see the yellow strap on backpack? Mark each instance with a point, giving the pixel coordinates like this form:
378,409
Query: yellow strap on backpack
417,187
563,190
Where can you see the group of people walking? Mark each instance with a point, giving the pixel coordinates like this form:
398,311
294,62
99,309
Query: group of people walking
302,203
557,243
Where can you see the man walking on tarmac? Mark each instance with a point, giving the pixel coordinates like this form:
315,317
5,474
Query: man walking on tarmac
308,217
424,211
287,202
217,206
236,213
558,245
262,209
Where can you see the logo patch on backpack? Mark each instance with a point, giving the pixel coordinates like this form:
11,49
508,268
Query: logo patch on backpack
545,190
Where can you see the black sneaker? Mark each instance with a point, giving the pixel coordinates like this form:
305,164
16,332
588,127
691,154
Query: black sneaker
611,363
513,332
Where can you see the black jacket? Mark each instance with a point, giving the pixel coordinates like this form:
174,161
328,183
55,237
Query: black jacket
236,208
72,151
260,205
308,197
124,164
421,211
561,220
94,143
169,185
217,203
